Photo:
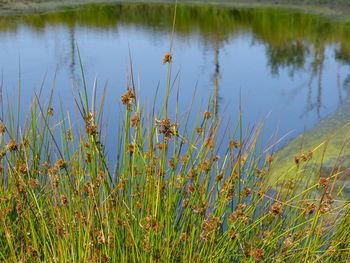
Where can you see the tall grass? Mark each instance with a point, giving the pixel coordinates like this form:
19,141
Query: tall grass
174,196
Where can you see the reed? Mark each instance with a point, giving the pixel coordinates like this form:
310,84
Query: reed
177,193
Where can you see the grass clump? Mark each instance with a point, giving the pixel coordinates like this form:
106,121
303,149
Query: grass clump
177,194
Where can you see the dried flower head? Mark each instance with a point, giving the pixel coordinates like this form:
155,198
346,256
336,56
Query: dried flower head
276,209
185,202
310,209
134,120
323,182
33,252
172,163
129,97
207,115
297,160
168,129
50,111
33,182
258,254
2,128
216,158
219,177
234,144
131,148
21,168
64,200
183,236
12,145
105,259
61,164
269,159
168,58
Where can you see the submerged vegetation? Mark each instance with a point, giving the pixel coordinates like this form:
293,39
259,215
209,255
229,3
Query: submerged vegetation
178,192
329,141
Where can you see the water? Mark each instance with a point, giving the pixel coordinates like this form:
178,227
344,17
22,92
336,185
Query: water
291,67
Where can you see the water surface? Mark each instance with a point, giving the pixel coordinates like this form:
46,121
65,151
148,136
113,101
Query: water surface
292,67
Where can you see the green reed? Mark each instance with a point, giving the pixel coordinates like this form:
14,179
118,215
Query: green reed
173,196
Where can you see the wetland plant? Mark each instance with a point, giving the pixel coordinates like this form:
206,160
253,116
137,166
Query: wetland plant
178,193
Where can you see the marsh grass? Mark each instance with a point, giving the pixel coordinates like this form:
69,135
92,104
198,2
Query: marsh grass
171,198
179,193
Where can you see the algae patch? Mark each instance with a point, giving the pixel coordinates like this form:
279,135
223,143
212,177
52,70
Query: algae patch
329,144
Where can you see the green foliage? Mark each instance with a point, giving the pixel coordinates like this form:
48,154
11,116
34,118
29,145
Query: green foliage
170,199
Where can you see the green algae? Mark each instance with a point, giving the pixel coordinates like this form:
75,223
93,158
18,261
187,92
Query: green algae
329,143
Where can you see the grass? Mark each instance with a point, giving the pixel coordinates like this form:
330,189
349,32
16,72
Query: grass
171,197
177,192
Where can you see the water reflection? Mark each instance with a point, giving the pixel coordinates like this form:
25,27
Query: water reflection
307,57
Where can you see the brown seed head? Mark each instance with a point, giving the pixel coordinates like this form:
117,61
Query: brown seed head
2,128
64,200
105,258
323,182
276,209
168,57
207,115
33,182
258,254
234,144
185,202
269,159
296,160
60,164
50,111
310,209
128,98
216,158
135,120
183,236
33,252
12,145
219,177
131,148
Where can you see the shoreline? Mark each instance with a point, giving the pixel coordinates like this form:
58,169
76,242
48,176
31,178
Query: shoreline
339,12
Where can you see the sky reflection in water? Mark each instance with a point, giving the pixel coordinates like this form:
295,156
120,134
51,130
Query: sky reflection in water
292,67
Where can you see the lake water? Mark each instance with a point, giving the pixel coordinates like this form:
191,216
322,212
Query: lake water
291,67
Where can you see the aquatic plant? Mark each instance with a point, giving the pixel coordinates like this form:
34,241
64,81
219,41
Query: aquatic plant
176,194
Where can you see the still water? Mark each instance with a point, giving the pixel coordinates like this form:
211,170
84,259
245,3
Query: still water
291,67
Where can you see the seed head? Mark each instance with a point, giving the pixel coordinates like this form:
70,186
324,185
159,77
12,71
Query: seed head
234,144
269,159
60,164
135,120
168,57
12,145
310,209
64,200
324,182
185,202
258,254
33,252
2,128
50,111
207,115
128,98
276,209
183,236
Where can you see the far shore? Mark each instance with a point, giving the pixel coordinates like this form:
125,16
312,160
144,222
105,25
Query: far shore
335,9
